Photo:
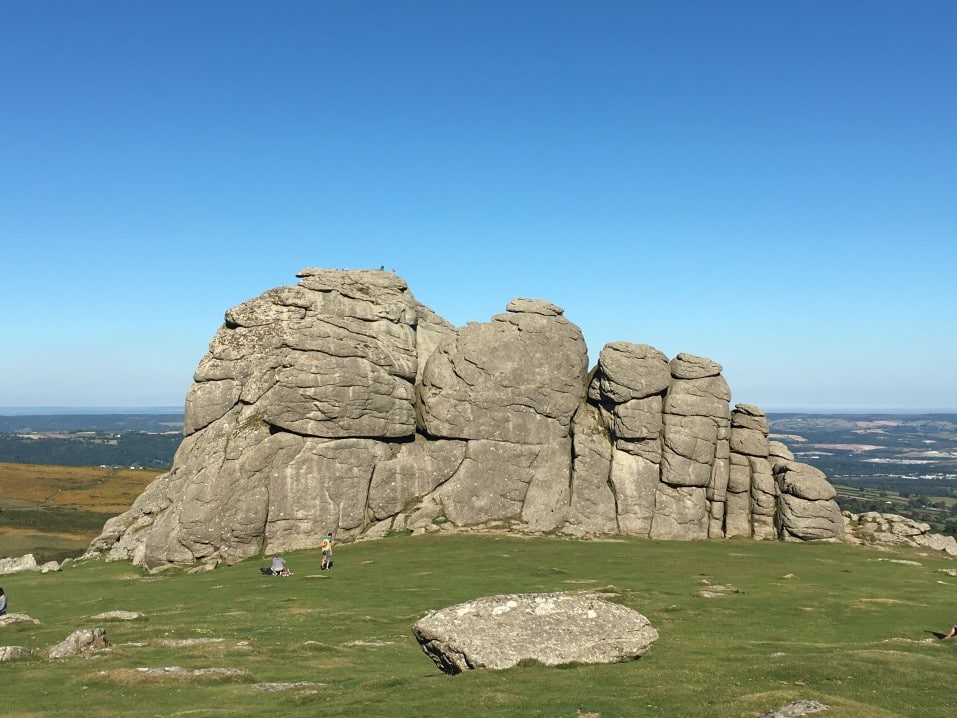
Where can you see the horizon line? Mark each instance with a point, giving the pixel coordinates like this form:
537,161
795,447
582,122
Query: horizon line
167,409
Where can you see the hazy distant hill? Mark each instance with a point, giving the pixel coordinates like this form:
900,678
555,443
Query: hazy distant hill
149,422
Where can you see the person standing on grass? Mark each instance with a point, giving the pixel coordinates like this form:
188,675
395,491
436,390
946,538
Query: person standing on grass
3,603
326,547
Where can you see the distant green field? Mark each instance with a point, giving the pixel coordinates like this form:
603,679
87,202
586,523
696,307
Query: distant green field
847,626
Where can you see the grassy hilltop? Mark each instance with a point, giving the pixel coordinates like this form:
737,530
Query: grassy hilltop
847,626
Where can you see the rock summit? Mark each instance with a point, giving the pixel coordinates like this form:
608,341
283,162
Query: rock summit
343,404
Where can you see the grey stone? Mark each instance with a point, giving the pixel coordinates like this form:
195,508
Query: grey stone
681,513
803,481
11,619
884,529
591,506
779,451
118,616
737,517
14,653
637,420
631,371
707,396
506,472
795,709
180,672
518,378
739,474
189,642
751,442
27,562
417,469
635,480
689,366
802,520
690,443
749,416
82,642
285,686
552,628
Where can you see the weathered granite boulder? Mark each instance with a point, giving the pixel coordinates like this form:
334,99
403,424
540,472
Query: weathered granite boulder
872,528
806,508
11,619
27,562
14,653
343,404
518,378
795,709
592,507
552,628
82,642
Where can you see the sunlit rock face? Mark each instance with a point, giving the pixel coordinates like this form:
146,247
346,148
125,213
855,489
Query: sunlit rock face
344,405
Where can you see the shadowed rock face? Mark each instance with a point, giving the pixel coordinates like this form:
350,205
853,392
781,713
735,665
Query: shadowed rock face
343,404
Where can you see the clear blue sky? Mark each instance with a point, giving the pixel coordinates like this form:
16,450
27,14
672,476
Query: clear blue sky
768,183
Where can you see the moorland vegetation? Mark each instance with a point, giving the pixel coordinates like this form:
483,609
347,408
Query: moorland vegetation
54,512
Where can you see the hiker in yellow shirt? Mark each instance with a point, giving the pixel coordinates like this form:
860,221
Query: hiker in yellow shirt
326,547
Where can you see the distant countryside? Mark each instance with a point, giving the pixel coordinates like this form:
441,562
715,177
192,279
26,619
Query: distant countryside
895,463
141,441
63,476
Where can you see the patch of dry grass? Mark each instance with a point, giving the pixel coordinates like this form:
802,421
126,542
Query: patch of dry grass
147,675
87,488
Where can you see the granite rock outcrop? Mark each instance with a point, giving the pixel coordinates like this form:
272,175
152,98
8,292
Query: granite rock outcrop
343,404
498,632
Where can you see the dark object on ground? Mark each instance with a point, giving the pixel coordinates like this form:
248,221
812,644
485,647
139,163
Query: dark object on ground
266,571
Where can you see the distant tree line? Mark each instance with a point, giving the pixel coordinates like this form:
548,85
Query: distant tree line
28,423
130,448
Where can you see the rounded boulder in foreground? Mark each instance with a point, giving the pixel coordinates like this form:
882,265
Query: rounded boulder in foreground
552,628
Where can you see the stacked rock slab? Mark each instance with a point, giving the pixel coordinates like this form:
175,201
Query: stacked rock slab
343,404
806,509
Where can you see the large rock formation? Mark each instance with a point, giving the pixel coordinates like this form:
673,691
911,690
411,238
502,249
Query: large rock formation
343,404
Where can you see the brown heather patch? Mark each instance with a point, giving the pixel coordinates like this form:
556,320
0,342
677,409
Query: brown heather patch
88,488
14,531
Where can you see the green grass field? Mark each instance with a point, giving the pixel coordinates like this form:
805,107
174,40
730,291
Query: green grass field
850,628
